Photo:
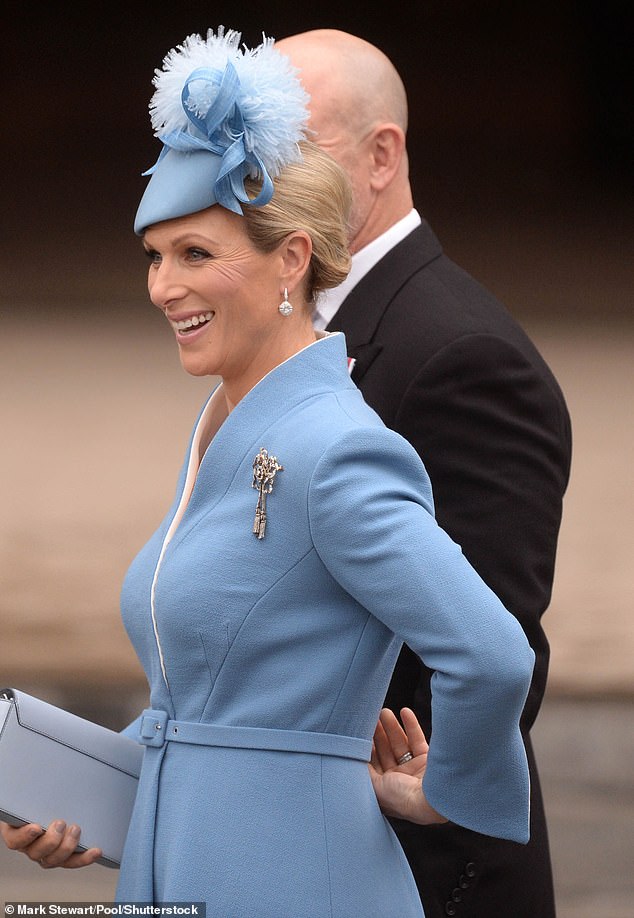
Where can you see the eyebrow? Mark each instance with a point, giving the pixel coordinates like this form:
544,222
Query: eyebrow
192,239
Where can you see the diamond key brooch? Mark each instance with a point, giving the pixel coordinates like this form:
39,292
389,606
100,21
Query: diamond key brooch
265,468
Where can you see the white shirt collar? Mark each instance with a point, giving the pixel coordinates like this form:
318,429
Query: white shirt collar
362,261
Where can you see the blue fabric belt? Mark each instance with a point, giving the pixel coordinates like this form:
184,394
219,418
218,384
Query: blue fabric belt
157,728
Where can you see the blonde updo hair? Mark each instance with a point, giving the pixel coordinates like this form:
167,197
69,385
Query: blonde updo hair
313,195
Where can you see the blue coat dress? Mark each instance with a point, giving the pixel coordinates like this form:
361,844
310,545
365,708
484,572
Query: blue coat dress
268,660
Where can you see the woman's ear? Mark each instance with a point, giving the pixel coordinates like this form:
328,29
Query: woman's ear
296,251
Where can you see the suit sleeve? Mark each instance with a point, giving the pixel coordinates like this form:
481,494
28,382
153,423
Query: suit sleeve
494,436
372,523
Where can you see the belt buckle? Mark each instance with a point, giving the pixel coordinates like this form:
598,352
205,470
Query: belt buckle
153,727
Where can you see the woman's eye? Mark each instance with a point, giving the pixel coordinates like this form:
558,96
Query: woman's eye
153,256
198,254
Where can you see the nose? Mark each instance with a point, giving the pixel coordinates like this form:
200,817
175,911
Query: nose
164,285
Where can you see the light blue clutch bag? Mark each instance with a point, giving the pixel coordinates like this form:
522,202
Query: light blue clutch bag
55,765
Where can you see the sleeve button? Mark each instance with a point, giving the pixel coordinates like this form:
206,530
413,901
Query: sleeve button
470,869
450,908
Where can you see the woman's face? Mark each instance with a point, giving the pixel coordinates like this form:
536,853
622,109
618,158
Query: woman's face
219,294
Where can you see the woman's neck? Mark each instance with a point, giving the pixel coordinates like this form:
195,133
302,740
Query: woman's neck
236,388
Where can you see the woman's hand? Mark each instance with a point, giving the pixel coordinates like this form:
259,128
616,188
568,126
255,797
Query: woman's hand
399,788
54,847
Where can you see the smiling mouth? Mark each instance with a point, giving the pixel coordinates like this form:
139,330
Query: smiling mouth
187,325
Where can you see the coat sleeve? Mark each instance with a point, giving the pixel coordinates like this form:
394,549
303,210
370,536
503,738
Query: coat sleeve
494,435
372,523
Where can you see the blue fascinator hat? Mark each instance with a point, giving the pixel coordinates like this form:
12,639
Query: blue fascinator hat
223,114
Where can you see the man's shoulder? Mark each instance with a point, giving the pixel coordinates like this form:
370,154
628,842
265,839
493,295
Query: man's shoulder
418,306
434,299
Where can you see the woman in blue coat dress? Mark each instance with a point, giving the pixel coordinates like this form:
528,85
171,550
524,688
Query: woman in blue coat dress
299,553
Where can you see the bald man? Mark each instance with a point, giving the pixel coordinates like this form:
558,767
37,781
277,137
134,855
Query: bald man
444,364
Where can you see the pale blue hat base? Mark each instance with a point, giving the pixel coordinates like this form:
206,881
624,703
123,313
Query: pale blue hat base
181,184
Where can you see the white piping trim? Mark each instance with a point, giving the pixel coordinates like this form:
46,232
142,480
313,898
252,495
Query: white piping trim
190,480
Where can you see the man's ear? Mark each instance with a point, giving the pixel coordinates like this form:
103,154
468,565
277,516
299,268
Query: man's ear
296,251
388,147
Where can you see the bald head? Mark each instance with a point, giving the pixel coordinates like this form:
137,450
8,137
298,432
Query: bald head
358,113
348,78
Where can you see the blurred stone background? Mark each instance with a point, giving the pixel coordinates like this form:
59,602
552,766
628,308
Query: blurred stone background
522,150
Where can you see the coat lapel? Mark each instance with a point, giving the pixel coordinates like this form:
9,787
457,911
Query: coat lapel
361,312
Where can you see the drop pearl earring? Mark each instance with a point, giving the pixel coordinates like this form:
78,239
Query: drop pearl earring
285,307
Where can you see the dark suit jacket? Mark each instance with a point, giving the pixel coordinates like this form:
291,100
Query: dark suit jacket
445,364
